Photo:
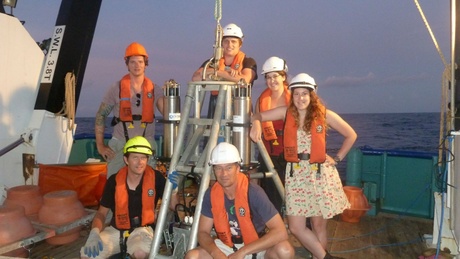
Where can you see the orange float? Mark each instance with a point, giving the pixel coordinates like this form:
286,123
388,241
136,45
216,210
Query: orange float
60,208
28,196
99,189
14,226
359,204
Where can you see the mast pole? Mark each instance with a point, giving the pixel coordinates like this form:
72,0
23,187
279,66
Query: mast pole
455,73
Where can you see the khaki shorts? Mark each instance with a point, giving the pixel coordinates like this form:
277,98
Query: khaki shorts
140,239
228,250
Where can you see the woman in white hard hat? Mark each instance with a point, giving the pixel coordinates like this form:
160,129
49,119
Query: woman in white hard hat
313,186
275,95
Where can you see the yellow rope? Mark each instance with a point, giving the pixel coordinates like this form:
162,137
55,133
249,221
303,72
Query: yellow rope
446,115
445,118
431,33
68,106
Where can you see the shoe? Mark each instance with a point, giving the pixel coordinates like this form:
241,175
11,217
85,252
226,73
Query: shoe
329,256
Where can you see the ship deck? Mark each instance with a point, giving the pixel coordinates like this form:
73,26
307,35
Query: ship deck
381,236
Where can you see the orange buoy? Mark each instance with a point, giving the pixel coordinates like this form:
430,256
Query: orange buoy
28,196
60,208
359,204
14,226
99,189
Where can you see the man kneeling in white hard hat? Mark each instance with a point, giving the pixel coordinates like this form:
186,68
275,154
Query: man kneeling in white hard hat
246,222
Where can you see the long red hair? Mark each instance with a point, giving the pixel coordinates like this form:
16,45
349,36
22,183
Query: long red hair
315,108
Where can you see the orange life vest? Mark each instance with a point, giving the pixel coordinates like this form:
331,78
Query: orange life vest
121,214
264,105
318,139
241,204
148,99
237,64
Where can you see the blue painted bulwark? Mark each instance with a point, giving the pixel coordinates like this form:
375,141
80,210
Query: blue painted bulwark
354,167
84,147
401,182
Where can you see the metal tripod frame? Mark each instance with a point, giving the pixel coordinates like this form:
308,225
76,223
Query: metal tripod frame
191,158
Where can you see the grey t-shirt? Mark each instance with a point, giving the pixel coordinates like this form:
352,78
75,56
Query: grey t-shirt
112,97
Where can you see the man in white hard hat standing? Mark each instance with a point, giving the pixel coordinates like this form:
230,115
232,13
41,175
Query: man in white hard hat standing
240,212
233,66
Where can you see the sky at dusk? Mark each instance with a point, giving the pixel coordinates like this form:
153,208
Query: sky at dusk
366,56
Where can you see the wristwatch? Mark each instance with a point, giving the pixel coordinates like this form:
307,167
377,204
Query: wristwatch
337,159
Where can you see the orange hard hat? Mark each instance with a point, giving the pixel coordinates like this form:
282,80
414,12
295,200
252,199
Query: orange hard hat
135,49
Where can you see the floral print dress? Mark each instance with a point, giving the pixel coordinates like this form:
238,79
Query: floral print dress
310,194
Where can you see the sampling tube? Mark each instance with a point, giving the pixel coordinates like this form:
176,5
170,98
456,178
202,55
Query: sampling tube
172,116
242,120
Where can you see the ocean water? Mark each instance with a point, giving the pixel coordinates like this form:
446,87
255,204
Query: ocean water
393,131
390,131
387,131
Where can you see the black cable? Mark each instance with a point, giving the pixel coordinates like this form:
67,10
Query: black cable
197,178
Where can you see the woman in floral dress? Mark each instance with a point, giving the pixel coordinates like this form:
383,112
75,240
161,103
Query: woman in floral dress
313,186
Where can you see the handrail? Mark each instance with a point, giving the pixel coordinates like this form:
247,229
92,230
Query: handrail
12,146
392,152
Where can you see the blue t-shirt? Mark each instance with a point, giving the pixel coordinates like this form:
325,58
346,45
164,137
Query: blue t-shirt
262,209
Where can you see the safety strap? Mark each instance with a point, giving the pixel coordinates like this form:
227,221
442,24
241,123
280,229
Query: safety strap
116,120
318,172
125,129
124,234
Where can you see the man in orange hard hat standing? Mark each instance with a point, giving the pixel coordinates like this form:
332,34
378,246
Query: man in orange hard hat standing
132,101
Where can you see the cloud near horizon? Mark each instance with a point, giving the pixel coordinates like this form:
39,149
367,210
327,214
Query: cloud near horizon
346,81
371,79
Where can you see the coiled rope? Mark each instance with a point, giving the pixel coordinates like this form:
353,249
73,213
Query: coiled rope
446,117
68,106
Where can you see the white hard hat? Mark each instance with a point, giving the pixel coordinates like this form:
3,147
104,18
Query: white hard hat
232,30
224,153
274,64
303,80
